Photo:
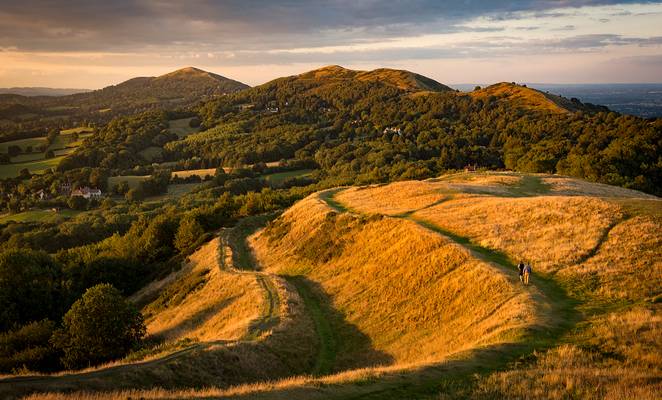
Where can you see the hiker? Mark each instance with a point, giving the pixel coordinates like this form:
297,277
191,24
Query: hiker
527,273
520,268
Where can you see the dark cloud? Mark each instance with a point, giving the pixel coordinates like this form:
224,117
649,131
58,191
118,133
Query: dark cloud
232,25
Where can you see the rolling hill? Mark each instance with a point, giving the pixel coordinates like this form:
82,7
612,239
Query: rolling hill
410,290
176,90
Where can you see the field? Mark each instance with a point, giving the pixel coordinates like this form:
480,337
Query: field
133,180
197,172
35,167
410,290
38,216
278,178
36,161
181,127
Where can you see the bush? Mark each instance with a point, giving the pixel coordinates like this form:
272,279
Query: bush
100,326
188,233
30,287
28,348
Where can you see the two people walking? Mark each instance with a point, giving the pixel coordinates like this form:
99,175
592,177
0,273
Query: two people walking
524,272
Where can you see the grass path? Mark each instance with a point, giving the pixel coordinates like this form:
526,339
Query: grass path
561,309
244,262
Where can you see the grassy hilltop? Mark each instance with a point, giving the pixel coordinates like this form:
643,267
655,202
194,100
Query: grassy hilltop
409,290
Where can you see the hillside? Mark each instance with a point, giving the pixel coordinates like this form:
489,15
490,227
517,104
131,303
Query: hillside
532,99
176,90
411,288
41,91
400,79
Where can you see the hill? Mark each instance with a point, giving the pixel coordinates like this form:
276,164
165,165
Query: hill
400,79
534,100
41,91
413,292
176,90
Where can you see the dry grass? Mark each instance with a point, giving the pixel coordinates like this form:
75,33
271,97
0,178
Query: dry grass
414,294
202,173
628,265
520,96
288,348
568,186
617,357
221,309
393,199
550,232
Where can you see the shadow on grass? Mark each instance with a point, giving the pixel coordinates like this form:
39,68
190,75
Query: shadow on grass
336,335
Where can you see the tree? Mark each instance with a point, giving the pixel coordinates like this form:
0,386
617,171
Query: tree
30,287
188,233
134,195
77,202
100,326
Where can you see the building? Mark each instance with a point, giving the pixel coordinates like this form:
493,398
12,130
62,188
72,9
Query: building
87,193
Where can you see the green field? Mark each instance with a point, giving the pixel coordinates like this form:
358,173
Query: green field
181,127
151,153
23,144
36,162
132,180
280,177
38,216
35,167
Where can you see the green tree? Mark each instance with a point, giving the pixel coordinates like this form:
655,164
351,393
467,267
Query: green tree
30,287
77,202
100,326
134,195
188,233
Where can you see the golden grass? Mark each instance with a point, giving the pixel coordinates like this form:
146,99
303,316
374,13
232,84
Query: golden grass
550,232
413,293
396,198
221,309
287,348
202,173
520,96
628,265
568,186
618,358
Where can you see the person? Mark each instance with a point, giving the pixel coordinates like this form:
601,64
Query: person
520,268
527,273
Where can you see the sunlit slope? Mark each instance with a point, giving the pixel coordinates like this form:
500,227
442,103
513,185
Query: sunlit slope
413,295
236,337
202,302
606,238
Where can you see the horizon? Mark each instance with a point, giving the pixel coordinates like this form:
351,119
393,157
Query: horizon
322,66
93,45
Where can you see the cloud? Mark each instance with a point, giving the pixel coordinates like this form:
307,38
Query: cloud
230,25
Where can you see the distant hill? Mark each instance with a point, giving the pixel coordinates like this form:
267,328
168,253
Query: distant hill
183,86
41,91
176,90
400,79
532,99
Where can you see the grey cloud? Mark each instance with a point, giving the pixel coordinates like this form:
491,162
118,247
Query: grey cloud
232,25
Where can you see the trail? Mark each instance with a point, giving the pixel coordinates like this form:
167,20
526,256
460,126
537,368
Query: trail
12,386
246,263
563,315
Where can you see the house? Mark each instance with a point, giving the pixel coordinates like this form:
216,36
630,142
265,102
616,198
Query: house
65,188
41,194
396,131
470,168
87,193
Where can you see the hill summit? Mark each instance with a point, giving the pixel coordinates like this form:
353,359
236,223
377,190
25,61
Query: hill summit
400,79
532,99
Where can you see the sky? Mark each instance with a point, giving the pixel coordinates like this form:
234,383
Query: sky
92,44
